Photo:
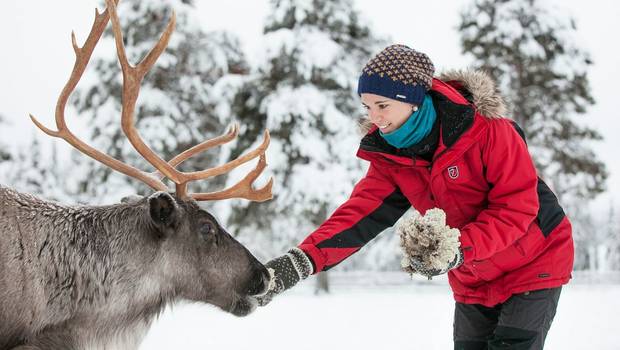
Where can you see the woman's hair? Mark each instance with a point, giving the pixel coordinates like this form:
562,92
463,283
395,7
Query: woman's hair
364,125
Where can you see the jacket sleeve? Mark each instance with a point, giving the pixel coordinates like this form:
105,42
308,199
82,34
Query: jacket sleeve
375,204
512,198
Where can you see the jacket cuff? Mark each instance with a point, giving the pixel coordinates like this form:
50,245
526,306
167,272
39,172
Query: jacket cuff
315,255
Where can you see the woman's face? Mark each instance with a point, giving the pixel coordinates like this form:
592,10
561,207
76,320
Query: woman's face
387,114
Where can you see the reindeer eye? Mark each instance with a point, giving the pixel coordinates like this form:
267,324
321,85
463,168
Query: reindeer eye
207,230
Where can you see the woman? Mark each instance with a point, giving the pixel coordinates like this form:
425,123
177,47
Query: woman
444,143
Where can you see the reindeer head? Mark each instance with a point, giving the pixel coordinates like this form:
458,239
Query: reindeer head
197,258
204,260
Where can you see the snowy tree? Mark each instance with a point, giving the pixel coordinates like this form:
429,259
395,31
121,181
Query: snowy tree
36,169
5,154
597,239
612,243
303,91
180,101
531,51
585,238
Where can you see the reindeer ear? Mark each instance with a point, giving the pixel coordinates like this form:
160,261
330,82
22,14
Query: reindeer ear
163,209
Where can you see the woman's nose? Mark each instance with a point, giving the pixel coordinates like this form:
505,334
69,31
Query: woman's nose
374,116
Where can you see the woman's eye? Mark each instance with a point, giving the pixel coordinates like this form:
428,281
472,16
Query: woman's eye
383,106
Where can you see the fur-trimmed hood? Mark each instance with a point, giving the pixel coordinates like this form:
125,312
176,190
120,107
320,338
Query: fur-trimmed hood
482,89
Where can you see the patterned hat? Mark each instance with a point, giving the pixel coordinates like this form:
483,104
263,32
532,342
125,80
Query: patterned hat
398,72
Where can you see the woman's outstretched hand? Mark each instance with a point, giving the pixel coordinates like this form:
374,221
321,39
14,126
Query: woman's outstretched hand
286,271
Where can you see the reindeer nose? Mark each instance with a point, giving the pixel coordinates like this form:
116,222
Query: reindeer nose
260,282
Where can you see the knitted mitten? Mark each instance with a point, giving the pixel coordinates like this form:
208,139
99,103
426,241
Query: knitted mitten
286,271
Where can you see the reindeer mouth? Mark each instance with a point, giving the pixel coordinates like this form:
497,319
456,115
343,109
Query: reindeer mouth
242,306
244,300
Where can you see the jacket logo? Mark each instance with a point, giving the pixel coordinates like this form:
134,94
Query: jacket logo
453,172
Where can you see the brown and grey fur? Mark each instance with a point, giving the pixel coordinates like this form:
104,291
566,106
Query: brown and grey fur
94,277
485,94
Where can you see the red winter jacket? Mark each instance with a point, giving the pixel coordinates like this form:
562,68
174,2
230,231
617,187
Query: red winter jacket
514,235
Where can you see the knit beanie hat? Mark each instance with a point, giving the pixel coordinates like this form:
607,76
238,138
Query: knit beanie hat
398,72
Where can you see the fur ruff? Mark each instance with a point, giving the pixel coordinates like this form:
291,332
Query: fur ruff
486,96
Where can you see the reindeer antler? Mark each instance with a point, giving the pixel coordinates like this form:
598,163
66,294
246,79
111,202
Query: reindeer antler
132,77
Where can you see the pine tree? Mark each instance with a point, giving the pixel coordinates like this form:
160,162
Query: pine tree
303,91
37,170
613,239
531,53
585,240
5,154
180,98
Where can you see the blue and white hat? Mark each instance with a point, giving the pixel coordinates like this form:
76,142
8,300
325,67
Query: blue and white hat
398,72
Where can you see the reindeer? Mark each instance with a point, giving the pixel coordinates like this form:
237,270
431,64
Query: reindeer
94,277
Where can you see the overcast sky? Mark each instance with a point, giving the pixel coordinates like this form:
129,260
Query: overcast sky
37,57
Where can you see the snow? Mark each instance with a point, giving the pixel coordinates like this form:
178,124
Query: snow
312,48
387,311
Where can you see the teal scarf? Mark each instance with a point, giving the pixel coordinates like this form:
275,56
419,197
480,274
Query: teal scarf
415,128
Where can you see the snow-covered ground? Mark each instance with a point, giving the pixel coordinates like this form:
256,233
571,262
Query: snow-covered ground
370,311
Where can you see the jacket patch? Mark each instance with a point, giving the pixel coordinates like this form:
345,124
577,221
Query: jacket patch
453,172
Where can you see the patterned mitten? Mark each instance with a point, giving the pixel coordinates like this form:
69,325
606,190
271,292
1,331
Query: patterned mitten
286,271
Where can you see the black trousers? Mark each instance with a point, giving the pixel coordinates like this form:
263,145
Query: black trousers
520,323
